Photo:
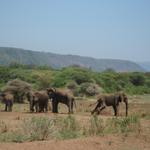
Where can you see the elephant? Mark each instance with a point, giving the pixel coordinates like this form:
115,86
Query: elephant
38,100
58,96
8,99
110,100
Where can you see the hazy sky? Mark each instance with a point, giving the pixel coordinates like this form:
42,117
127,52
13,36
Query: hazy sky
97,28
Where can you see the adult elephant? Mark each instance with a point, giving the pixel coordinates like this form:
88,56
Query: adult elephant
110,100
60,97
38,101
8,99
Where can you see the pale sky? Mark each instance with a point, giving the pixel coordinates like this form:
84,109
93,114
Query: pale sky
118,29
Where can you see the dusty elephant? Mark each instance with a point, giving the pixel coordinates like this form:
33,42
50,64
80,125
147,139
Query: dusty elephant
110,100
61,97
8,99
38,101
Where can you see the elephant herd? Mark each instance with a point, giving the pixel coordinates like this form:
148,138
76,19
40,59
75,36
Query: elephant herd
38,101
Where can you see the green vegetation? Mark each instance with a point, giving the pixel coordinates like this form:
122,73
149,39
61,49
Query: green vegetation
82,82
123,125
68,128
43,128
38,128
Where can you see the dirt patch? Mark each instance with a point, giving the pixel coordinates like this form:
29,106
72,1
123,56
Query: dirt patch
82,114
92,143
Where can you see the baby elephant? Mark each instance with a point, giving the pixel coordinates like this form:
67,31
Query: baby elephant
8,99
38,100
110,100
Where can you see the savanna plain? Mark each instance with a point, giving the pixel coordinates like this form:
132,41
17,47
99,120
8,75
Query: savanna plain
21,130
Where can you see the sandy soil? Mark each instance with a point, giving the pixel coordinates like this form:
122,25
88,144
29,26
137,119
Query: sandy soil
92,143
114,142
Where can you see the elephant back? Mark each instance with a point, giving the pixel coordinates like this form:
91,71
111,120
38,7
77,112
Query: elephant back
41,94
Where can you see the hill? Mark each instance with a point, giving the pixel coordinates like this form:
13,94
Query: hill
145,65
10,55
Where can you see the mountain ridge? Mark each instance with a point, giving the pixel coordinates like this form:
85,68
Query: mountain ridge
9,55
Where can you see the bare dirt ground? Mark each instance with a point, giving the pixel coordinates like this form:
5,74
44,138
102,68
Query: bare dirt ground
91,143
82,114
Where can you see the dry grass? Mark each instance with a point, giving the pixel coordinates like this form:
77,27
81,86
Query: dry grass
20,125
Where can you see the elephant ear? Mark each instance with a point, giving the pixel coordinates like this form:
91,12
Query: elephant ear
125,98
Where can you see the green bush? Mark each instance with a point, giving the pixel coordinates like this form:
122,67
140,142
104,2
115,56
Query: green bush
78,78
137,79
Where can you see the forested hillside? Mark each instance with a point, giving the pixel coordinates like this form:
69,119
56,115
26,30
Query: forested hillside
15,55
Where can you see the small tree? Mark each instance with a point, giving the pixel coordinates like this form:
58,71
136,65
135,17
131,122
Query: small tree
137,79
44,81
90,89
18,88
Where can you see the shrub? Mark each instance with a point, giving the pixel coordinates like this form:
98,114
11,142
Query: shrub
96,126
123,125
3,127
72,85
69,128
137,79
13,137
90,89
44,81
19,88
38,128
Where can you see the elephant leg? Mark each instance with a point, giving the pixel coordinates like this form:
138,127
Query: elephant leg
37,108
95,110
10,104
6,107
115,110
101,108
46,107
41,107
57,107
72,107
31,108
54,106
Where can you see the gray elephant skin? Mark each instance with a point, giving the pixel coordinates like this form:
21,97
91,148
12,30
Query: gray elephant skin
38,101
7,99
58,96
110,100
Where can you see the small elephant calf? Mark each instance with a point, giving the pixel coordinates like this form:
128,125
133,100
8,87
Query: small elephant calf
8,99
